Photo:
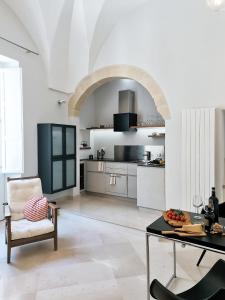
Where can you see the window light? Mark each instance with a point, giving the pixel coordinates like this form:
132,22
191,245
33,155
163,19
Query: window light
216,4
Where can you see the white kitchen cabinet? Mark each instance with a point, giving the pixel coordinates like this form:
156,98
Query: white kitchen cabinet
98,178
95,166
95,182
151,187
132,169
118,168
120,186
132,180
132,186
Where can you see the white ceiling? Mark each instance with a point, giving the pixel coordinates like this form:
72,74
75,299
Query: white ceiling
69,34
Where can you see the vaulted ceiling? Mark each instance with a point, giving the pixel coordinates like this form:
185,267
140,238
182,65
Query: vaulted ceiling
69,34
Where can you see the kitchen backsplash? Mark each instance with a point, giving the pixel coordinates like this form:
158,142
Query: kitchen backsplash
108,139
138,152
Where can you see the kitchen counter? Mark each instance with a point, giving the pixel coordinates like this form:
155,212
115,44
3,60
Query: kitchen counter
110,160
150,165
139,163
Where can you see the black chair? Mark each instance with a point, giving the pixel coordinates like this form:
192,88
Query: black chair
211,287
221,215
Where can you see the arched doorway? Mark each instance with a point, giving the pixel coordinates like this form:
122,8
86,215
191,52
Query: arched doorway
90,83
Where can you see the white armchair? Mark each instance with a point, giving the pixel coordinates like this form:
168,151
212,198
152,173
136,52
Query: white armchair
20,231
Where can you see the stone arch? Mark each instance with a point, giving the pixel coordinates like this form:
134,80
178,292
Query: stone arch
91,82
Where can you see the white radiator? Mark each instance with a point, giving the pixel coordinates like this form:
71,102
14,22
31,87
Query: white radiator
198,154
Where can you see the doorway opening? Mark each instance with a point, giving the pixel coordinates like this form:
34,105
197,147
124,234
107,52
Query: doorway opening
94,102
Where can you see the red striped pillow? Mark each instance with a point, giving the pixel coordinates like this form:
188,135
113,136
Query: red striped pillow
36,209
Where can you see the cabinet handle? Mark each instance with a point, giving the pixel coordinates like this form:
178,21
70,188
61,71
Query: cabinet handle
115,175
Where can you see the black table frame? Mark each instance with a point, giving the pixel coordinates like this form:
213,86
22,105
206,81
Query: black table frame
194,242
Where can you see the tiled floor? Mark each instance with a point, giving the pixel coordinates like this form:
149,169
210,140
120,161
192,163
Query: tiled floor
96,261
117,210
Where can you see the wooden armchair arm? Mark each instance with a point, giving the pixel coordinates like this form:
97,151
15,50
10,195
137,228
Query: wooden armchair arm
52,206
7,211
53,214
7,215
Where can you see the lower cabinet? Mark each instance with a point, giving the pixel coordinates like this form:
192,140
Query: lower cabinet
95,182
151,187
119,187
132,186
99,178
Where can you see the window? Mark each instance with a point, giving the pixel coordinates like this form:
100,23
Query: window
11,116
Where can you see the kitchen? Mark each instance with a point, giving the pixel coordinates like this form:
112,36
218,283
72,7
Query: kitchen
122,145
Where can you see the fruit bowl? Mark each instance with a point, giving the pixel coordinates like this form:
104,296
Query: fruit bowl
176,217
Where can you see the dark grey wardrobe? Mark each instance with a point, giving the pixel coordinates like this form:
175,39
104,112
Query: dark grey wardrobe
56,157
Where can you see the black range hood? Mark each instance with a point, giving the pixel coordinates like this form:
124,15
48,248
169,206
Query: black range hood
123,122
126,116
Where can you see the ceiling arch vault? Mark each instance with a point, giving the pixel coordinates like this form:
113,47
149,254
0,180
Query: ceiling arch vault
91,82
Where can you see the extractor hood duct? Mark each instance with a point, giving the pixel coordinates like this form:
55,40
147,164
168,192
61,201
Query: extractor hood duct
126,116
126,101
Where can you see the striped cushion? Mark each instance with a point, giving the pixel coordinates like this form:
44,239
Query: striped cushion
36,209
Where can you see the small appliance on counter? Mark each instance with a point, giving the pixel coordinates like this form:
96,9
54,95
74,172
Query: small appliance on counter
84,144
147,155
100,154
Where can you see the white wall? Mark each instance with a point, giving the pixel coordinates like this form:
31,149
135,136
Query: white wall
87,119
88,112
180,43
40,103
99,108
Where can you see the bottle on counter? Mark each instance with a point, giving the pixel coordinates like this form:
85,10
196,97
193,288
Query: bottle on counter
214,203
102,153
209,218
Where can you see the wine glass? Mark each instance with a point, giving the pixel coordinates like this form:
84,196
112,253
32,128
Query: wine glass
197,203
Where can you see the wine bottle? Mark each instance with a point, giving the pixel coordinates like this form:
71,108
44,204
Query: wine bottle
209,218
214,203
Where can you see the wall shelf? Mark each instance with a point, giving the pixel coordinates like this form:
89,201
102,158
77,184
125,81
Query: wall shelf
85,148
139,126
96,128
157,135
148,126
